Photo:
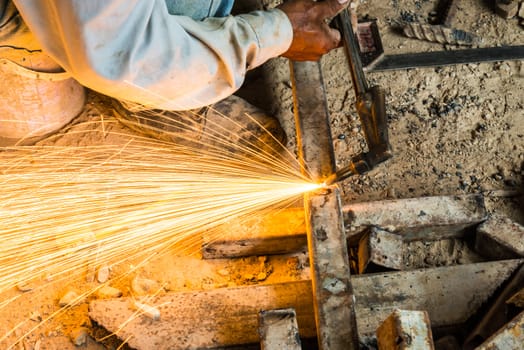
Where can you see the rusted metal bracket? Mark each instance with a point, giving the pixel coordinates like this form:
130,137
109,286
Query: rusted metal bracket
279,330
332,290
406,330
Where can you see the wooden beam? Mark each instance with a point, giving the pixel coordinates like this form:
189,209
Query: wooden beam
229,316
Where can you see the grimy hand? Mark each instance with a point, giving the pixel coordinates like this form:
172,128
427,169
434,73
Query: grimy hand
312,35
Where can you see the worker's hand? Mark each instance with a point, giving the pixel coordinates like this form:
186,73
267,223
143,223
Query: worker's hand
312,35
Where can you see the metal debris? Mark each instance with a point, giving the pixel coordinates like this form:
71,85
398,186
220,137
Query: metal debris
279,330
506,8
440,34
406,330
497,313
24,287
446,11
500,238
511,336
380,249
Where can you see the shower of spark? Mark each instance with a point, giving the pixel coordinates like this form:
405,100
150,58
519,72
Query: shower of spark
66,207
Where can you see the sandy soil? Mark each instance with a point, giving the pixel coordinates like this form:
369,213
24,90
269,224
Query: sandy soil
453,130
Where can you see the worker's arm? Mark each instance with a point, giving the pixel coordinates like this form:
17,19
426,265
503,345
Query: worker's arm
135,50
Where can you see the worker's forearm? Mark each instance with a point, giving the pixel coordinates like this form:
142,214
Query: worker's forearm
135,50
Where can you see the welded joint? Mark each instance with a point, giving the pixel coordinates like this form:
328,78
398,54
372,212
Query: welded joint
334,285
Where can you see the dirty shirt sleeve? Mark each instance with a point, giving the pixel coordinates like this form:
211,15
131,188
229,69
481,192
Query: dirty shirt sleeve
135,50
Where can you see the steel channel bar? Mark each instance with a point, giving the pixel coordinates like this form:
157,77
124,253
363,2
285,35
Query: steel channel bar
333,294
448,58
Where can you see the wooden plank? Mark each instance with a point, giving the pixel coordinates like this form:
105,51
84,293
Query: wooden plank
229,316
427,218
279,330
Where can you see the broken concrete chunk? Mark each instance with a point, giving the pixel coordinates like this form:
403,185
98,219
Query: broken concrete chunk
69,299
500,238
521,10
506,8
79,336
107,292
380,248
405,330
284,230
144,286
102,275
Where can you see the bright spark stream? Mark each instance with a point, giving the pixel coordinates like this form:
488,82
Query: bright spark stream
65,207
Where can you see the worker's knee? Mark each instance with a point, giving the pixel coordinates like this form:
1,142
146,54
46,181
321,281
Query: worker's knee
38,97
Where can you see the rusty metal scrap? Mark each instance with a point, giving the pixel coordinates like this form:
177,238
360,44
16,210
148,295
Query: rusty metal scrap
379,249
511,336
506,8
446,11
279,330
440,34
500,238
406,330
497,314
334,301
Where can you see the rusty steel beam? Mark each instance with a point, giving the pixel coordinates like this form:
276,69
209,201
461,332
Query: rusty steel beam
406,330
224,317
280,231
500,238
279,330
511,336
332,290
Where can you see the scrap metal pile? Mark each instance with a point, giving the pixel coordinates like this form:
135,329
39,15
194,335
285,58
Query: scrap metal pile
362,292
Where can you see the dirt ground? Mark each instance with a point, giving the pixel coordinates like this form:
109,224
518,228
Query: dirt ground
454,130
